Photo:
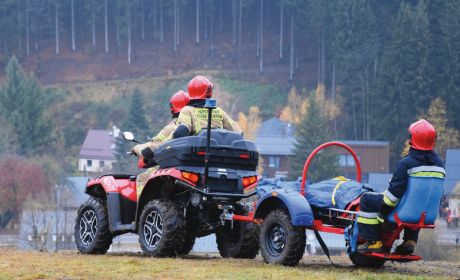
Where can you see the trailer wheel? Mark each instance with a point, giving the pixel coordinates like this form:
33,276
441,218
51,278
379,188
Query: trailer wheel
280,241
241,242
92,233
161,229
360,260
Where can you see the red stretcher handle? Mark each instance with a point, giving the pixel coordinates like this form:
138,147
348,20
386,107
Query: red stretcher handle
319,148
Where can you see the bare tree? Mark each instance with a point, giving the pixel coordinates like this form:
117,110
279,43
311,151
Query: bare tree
161,22
19,28
142,21
175,26
291,63
93,24
56,22
211,27
197,21
106,28
220,15
261,62
128,18
27,29
281,29
234,22
240,20
72,17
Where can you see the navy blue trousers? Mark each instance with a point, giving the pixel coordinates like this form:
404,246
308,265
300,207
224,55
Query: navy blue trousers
368,228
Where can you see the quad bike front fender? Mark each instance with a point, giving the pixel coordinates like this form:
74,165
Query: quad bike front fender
101,186
298,207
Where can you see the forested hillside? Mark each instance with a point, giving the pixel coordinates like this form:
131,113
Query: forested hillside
381,62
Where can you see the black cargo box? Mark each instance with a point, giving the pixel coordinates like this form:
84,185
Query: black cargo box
228,150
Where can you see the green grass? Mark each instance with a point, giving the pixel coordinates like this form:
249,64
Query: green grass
71,265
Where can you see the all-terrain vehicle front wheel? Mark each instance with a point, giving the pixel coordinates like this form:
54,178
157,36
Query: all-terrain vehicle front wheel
161,229
280,241
241,241
92,233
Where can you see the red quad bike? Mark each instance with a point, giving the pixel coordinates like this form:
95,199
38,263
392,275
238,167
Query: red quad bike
286,214
197,190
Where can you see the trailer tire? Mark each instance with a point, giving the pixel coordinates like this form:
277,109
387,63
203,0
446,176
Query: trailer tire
280,241
360,260
92,232
161,229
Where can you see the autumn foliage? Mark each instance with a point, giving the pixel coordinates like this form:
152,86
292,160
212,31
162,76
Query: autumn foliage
20,179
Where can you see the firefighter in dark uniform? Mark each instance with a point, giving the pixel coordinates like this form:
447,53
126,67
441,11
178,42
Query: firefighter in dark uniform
375,207
193,118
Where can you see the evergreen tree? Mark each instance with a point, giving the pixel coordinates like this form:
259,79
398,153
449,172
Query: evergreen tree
310,133
23,105
403,81
136,121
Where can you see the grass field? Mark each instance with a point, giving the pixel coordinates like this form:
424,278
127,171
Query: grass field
71,265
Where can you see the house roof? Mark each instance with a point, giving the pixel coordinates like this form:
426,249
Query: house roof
379,181
452,170
366,143
273,145
98,145
275,137
275,127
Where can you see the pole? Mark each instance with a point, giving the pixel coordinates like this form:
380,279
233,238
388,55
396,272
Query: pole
210,104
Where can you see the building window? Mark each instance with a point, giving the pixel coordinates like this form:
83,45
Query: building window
273,162
346,161
89,163
101,163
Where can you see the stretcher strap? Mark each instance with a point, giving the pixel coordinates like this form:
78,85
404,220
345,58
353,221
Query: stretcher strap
323,246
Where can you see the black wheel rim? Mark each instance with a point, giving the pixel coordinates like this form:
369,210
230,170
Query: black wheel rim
88,227
153,229
275,239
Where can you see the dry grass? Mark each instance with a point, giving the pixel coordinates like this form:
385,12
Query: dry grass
70,265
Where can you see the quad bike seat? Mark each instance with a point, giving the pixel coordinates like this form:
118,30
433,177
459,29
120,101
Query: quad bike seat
423,195
228,150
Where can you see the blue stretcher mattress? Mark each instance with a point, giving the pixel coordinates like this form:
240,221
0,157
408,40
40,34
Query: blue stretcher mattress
333,193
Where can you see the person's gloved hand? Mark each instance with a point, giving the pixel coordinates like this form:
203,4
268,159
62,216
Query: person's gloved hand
135,149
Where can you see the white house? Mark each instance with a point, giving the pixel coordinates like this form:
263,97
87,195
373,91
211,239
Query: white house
97,152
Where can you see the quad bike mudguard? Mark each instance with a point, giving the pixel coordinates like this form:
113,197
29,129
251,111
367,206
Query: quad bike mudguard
119,191
298,207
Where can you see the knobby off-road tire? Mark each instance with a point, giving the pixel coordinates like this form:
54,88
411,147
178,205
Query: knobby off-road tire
161,229
92,232
188,245
241,242
360,260
280,241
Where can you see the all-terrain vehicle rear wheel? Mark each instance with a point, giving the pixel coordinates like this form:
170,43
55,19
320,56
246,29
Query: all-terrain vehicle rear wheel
161,229
241,241
92,233
361,260
280,241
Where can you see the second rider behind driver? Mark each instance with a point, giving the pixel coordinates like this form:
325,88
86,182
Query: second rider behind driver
194,117
178,101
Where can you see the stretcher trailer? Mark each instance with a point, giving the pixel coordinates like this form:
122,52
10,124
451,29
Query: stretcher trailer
285,213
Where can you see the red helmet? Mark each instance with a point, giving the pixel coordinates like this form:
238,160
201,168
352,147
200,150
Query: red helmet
178,101
422,135
200,88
